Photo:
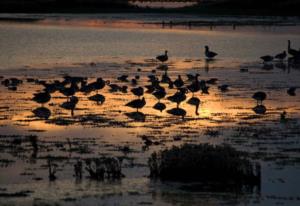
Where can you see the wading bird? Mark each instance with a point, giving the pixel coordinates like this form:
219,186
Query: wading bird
163,58
209,54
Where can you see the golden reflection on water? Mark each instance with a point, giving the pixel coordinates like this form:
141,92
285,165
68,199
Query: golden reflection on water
216,109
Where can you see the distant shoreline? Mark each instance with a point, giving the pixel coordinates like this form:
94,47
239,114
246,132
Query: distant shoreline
149,20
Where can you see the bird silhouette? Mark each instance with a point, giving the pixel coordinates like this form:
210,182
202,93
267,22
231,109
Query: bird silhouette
209,54
139,91
267,58
137,104
177,112
42,112
178,97
195,102
259,97
99,98
163,58
281,56
159,106
41,97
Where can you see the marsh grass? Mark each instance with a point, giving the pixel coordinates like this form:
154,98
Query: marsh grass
204,162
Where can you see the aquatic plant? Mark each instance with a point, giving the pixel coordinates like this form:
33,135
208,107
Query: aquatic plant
33,139
51,169
204,162
78,169
104,167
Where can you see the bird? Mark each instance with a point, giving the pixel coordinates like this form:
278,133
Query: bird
99,84
42,112
159,106
123,78
267,58
178,97
195,102
209,54
163,58
292,91
259,97
70,105
204,89
99,98
194,86
177,112
114,88
159,94
165,78
150,88
123,89
223,87
137,104
178,82
138,91
192,77
134,82
69,91
281,56
41,97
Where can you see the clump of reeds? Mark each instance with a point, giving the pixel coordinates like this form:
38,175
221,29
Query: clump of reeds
204,162
104,167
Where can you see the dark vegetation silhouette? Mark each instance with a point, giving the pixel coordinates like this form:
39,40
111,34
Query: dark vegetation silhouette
204,162
230,7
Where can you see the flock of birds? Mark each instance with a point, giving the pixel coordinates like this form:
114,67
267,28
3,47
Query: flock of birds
295,55
69,86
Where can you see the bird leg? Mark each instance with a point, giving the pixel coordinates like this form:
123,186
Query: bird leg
196,111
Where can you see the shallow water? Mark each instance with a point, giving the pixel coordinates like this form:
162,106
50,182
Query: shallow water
48,50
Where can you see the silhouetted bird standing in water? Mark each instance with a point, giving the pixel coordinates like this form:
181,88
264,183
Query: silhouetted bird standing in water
259,97
99,84
195,86
178,82
209,54
267,58
163,58
281,56
159,94
70,105
42,97
137,104
159,106
178,97
195,102
42,112
99,98
177,112
123,78
139,91
69,91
